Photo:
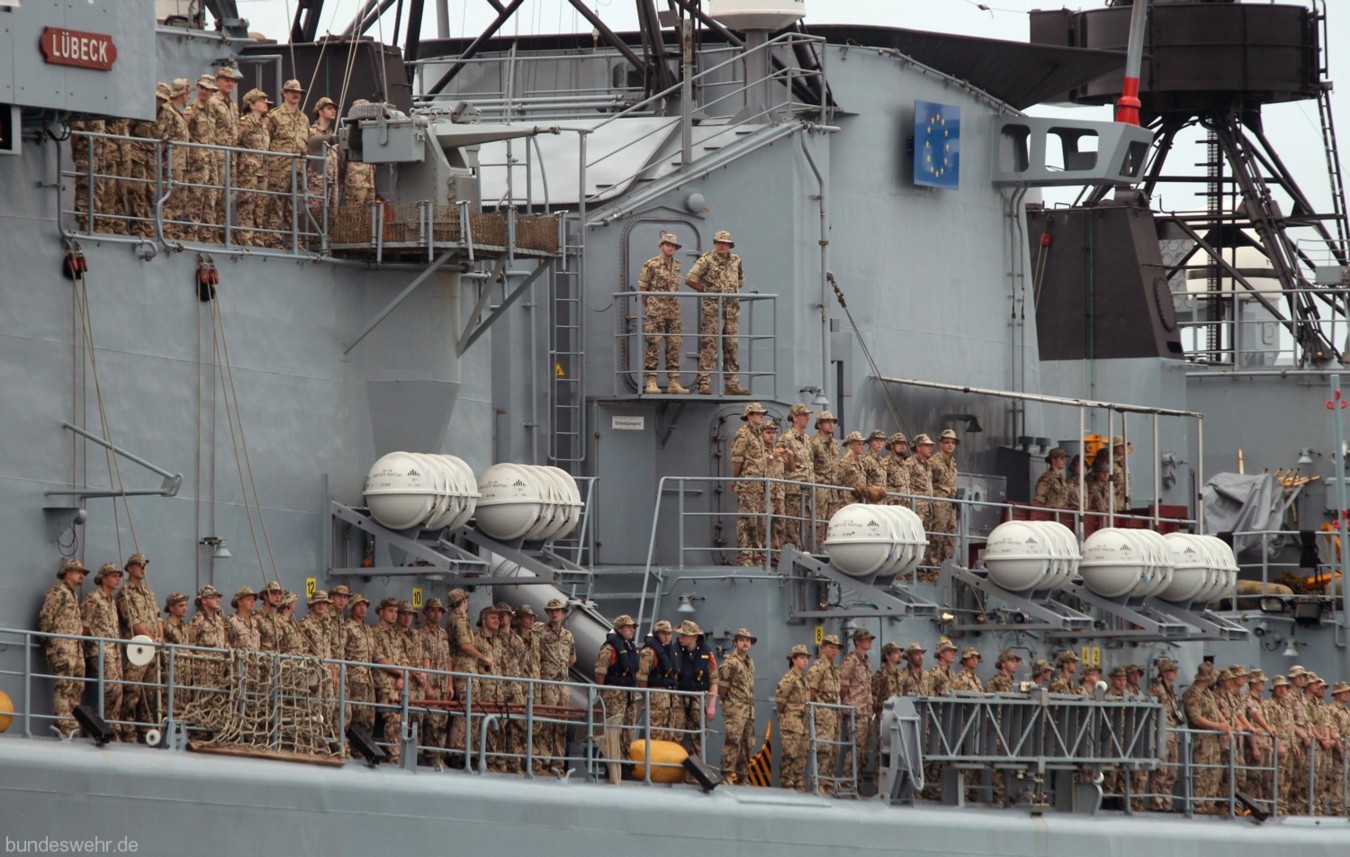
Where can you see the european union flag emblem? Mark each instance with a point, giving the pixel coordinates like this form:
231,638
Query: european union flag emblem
937,145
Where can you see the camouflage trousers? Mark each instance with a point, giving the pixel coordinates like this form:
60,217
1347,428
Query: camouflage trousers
687,714
139,695
1333,764
941,520
1164,777
1206,754
620,714
141,197
827,503
718,318
203,174
792,769
252,205
662,324
279,211
433,732
827,749
738,745
356,194
550,739
862,741
788,526
360,694
82,196
110,207
391,721
112,682
68,666
750,524
1258,783
660,707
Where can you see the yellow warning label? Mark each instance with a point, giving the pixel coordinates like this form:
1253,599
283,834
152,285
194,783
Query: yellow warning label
820,634
417,598
311,586
558,370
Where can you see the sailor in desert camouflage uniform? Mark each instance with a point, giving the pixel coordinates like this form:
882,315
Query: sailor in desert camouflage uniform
661,316
855,690
526,646
897,470
489,694
358,177
60,614
967,679
749,458
823,680
388,677
921,486
557,656
288,134
736,685
360,648
887,680
209,631
1164,776
171,128
99,614
824,462
871,459
719,272
790,699
250,169
659,669
175,632
1066,662
849,473
1202,713
1052,489
436,643
913,676
138,610
799,468
941,521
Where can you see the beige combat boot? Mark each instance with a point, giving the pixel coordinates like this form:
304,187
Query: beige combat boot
734,388
651,389
675,388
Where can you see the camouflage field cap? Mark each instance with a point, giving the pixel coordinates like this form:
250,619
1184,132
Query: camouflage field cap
288,598
752,408
1117,672
433,603
948,434
1091,669
876,434
1279,681
1166,665
1066,656
241,593
723,237
1315,679
1340,687
340,589
206,81
1007,655
486,612
890,646
324,102
768,425
825,417
456,598
624,620
273,586
1134,668
254,95
70,563
799,410
798,651
386,603
1040,665
319,597
207,591
915,649
971,652
862,634
1296,670
174,598
1256,676
162,91
744,632
921,439
506,609
180,86
853,437
944,645
1117,440
136,559
830,640
898,437
1205,672
524,610
1057,452
688,628
669,238
357,598
405,606
106,570
229,71
663,626
556,604
1239,671
292,85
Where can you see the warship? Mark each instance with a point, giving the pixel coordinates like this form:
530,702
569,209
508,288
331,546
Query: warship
444,388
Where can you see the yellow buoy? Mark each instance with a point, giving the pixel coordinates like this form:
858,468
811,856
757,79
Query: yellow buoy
667,761
6,711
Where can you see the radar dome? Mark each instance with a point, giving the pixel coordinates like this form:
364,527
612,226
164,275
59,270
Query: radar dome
771,15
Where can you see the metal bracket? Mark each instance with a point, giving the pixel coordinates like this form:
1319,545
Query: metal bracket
1211,625
398,299
1150,622
1053,615
441,555
471,331
893,602
172,481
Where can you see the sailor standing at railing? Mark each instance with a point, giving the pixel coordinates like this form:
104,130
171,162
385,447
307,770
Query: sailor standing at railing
557,656
921,485
99,613
749,458
203,164
719,272
699,681
1340,717
288,134
790,699
174,631
872,460
616,668
659,670
855,689
1320,727
138,610
250,169
1259,756
1066,663
886,681
360,649
849,473
1202,713
388,677
202,670
661,323
226,113
436,642
941,522
824,461
897,469
736,685
798,467
823,680
172,131
914,678
1164,777
60,614
531,667
1287,747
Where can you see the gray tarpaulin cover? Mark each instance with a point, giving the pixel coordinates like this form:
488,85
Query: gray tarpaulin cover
1235,502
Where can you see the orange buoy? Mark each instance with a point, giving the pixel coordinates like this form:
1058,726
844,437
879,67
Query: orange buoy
667,761
6,711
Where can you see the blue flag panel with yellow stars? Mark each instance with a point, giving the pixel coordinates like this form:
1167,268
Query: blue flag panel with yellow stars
937,145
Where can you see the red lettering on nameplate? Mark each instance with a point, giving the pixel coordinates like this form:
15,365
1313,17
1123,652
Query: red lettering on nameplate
79,49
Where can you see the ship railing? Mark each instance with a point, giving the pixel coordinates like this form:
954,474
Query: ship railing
784,511
502,722
198,195
831,749
528,88
753,316
1230,773
1248,337
1259,558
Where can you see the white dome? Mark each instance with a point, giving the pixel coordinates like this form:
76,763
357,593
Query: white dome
1190,568
859,541
511,502
1115,564
401,490
1160,562
1019,557
771,15
1065,568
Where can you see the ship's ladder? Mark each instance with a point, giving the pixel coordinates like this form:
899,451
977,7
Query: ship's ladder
567,448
